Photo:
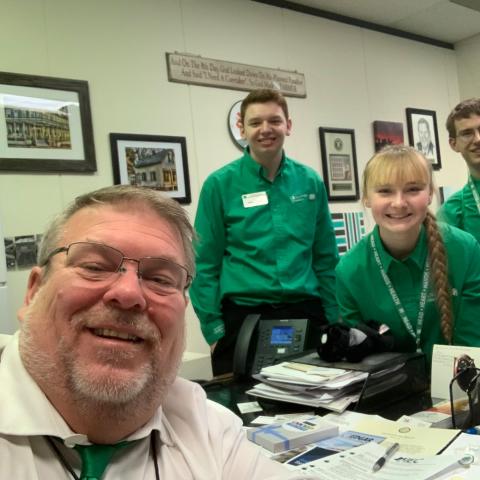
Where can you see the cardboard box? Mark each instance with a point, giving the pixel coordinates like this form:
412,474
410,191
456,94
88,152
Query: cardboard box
293,433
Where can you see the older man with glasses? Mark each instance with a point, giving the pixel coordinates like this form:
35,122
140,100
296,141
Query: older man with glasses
462,209
88,385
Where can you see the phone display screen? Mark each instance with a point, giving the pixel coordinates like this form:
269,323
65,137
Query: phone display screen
282,335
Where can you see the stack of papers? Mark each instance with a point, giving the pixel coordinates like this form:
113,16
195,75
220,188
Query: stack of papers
331,388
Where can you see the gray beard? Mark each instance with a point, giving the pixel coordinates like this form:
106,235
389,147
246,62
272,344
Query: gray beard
105,396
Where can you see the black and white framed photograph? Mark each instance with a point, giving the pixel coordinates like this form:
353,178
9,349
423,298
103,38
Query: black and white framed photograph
423,134
155,161
45,124
339,162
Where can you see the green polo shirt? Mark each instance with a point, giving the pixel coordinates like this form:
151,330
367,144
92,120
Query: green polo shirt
362,294
460,210
275,247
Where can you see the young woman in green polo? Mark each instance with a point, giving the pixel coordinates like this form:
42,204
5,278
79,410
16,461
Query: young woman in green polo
419,278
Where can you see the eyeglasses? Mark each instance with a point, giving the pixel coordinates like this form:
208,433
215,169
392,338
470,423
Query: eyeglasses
468,135
98,262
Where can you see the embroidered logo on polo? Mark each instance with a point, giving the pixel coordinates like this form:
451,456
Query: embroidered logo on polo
301,197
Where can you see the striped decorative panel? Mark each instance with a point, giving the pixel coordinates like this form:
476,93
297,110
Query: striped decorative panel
349,229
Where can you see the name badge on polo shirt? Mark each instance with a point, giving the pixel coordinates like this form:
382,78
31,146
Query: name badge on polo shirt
254,199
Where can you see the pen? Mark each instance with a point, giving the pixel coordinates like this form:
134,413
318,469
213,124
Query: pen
383,459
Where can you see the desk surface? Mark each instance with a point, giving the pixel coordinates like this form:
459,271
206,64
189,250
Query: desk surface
229,393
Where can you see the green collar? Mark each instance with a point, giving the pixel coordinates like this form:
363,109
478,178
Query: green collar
476,182
417,256
257,169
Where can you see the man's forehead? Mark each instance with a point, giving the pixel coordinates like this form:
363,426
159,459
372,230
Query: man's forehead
472,120
130,218
264,108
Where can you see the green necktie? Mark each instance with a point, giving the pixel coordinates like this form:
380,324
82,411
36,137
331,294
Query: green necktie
95,459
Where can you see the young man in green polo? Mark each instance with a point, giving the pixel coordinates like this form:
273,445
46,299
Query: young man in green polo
462,209
266,242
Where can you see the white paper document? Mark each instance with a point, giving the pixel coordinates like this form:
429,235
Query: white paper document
357,464
349,420
414,441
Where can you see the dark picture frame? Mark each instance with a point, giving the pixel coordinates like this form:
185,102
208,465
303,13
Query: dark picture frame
339,163
155,161
45,125
387,133
423,134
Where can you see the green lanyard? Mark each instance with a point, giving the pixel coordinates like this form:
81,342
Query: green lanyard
475,194
396,299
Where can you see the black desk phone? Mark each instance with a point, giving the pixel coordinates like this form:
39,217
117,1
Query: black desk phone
262,342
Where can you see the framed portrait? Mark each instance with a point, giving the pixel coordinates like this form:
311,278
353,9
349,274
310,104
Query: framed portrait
387,133
423,134
45,124
155,161
339,162
233,128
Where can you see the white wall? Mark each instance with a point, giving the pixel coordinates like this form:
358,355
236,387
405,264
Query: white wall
353,77
467,53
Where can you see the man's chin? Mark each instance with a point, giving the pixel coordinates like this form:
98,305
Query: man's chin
112,385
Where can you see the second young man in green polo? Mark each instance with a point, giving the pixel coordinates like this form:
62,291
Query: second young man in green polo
462,209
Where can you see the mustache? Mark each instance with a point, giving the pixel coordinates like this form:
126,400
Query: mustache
101,317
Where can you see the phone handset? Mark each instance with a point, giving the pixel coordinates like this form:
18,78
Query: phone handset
244,344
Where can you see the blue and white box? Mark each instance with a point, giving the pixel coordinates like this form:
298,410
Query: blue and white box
292,433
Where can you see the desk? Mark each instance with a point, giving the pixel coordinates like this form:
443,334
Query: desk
230,392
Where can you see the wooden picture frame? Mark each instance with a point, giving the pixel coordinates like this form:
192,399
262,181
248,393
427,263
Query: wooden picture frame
156,161
45,125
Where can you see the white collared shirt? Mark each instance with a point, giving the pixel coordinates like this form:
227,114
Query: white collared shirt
199,439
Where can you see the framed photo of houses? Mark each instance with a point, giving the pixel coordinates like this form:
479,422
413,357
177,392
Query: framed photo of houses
45,124
155,161
339,162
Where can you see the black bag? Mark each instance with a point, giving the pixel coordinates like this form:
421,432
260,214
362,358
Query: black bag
340,342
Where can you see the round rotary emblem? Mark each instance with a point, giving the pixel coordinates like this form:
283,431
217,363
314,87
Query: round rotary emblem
338,144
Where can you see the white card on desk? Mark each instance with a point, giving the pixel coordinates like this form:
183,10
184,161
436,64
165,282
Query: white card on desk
254,199
249,407
263,420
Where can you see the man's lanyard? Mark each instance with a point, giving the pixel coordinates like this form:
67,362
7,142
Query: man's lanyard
475,194
396,299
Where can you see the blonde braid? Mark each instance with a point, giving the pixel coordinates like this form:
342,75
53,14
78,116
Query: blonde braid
439,269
